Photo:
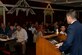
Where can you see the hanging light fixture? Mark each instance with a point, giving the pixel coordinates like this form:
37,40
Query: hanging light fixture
48,9
21,5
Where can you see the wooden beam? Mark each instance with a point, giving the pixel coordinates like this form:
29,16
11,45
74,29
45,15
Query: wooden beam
42,8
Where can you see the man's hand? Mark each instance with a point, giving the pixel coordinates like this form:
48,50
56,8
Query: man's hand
58,45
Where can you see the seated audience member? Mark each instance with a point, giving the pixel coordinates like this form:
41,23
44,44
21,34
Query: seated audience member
62,34
30,36
3,29
22,37
15,24
11,32
32,28
63,29
8,25
38,32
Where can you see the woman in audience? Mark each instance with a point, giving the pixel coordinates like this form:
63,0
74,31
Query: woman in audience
63,29
62,34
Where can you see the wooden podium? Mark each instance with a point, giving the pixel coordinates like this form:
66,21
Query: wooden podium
44,47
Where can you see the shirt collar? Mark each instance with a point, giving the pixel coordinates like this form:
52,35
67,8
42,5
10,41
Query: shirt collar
73,21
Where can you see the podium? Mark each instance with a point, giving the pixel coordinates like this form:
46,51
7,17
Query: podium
44,47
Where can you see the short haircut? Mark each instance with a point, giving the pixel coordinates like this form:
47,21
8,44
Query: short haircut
72,13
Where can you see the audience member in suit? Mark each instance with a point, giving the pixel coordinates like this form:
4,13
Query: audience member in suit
3,29
74,35
11,34
30,37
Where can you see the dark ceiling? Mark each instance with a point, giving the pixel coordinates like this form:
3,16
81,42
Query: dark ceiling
57,4
72,3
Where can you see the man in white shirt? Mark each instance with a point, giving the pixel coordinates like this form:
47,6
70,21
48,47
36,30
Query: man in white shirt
22,37
32,28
